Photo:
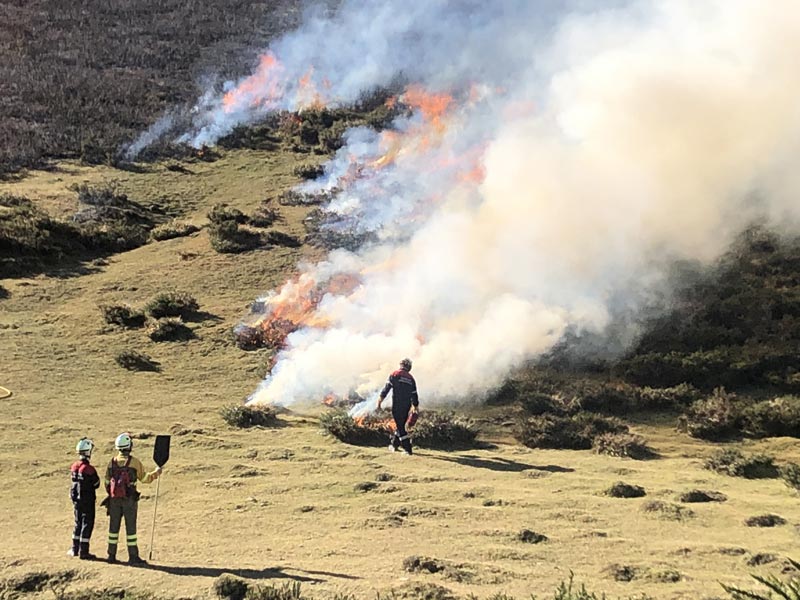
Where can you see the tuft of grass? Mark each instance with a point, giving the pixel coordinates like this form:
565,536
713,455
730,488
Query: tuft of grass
172,304
169,330
667,510
765,521
122,315
693,496
243,416
528,536
734,463
136,361
790,474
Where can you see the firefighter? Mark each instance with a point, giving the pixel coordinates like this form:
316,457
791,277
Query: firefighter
85,481
123,473
404,400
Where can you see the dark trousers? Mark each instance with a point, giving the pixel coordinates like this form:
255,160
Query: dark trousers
401,437
84,525
119,508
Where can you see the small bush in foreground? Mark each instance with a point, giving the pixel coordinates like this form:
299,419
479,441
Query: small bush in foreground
244,416
623,445
368,432
172,304
625,490
169,330
230,587
228,238
172,230
136,361
123,315
791,475
443,430
693,496
734,463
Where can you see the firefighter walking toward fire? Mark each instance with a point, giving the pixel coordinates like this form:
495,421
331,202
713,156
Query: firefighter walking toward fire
85,481
123,473
404,402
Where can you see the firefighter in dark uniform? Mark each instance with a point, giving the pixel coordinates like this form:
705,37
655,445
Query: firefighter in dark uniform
85,481
404,401
123,473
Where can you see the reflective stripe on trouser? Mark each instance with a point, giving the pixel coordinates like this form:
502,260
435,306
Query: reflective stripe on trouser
119,508
401,437
84,522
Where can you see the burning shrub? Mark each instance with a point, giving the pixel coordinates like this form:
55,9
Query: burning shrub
169,330
444,431
367,432
623,445
734,463
713,418
172,230
243,416
574,432
172,304
773,418
228,238
791,475
136,361
625,490
123,315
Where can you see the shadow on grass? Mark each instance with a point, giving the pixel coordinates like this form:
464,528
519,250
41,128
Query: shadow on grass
266,573
502,464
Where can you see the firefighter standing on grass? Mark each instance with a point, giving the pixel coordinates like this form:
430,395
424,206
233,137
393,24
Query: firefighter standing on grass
85,481
123,473
404,400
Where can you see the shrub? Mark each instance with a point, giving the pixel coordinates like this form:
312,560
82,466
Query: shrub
369,431
713,418
263,217
136,361
4,293
172,304
623,445
169,330
244,416
734,463
693,496
443,430
625,490
773,418
287,591
228,238
531,537
308,171
574,432
222,213
791,475
667,510
123,315
230,587
608,398
278,238
172,230
765,521
667,398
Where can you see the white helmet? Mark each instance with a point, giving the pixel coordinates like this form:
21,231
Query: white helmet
84,447
124,443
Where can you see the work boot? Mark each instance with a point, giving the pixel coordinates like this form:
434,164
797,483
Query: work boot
112,553
75,550
407,446
84,552
134,558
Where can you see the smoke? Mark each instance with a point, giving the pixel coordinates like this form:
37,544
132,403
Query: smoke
584,147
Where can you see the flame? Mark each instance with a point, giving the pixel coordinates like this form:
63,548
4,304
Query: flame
308,96
329,400
259,89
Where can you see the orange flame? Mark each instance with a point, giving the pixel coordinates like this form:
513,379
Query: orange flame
260,88
307,94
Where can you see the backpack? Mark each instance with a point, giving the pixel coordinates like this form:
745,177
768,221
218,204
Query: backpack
120,479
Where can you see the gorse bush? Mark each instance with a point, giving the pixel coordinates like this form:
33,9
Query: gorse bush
172,230
623,445
773,418
573,432
713,418
123,315
443,430
245,416
227,237
367,432
222,213
171,329
172,304
734,463
790,474
136,361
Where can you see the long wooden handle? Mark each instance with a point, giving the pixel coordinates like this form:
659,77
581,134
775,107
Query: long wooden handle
155,509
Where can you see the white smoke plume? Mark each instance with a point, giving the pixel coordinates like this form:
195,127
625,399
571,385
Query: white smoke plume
585,145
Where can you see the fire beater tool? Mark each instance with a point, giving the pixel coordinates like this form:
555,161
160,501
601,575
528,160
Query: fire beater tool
160,457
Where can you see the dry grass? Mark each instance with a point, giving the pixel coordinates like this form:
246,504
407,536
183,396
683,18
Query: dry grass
280,504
